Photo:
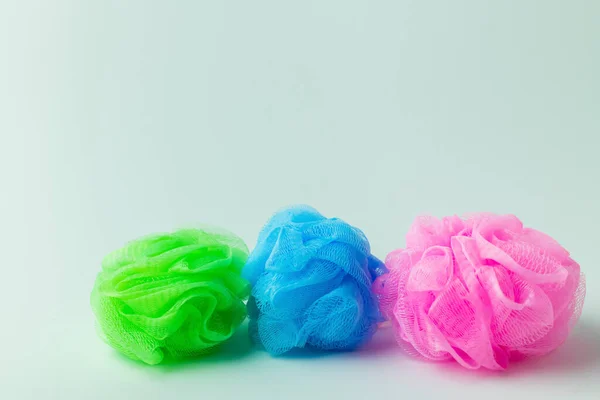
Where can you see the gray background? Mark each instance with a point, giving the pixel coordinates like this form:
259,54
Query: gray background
120,118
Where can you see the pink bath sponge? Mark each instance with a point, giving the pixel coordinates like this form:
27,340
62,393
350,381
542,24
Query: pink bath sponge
482,290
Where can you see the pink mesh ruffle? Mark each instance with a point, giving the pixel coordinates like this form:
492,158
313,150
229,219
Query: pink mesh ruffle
482,290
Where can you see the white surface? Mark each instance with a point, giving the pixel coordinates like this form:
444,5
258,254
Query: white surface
121,118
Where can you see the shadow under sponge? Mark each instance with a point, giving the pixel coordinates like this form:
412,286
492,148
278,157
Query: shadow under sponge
311,283
173,295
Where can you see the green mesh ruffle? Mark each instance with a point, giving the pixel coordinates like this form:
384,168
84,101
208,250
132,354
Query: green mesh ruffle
171,295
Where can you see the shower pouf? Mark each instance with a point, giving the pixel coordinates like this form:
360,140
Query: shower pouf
311,282
171,296
483,291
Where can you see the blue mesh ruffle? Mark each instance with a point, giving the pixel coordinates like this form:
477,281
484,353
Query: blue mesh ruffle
311,279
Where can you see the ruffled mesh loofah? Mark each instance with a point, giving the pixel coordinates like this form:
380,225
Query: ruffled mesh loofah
171,295
311,280
483,291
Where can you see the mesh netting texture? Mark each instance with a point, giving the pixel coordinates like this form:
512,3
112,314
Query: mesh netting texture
483,291
311,284
171,296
